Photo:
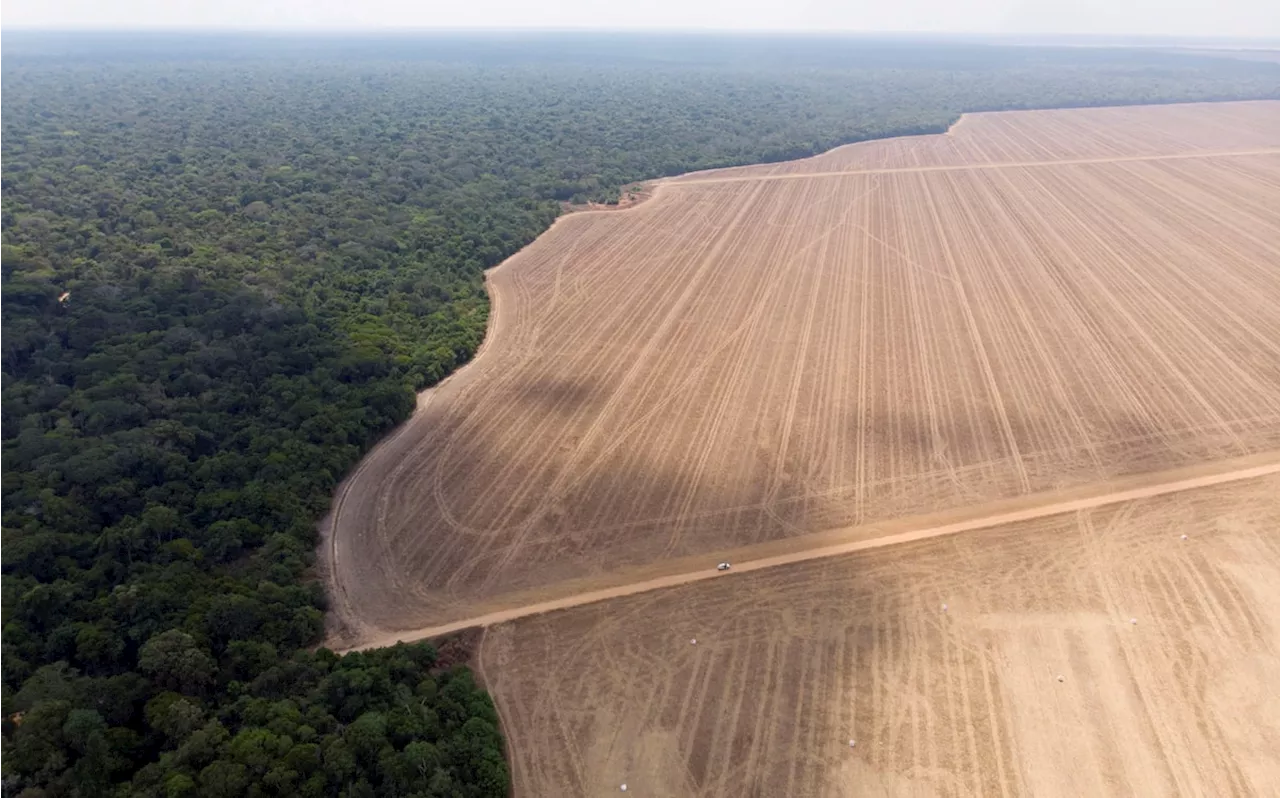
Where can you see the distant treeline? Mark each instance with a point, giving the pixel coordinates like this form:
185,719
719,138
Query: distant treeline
224,275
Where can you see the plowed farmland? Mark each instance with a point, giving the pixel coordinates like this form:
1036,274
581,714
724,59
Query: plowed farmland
1095,653
990,420
1031,302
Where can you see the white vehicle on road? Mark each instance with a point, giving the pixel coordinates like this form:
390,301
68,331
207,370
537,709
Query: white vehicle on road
724,566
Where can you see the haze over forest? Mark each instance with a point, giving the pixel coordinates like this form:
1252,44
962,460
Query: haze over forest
1251,19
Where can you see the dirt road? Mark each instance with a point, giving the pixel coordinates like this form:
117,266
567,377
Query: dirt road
829,544
1182,156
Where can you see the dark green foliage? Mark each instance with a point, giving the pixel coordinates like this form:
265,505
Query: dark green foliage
276,734
223,280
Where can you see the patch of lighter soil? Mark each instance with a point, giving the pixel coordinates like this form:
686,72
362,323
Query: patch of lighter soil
1244,696
1085,734
648,760
856,778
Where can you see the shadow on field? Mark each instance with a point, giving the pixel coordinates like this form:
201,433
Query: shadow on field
473,508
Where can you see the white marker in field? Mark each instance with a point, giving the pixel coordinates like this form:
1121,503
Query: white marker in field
624,788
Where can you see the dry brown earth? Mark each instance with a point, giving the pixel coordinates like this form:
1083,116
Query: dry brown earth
791,663
1032,302
1031,354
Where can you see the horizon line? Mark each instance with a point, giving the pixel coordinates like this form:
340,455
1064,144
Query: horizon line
1270,40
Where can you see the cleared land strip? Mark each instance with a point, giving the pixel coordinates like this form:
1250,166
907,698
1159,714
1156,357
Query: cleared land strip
852,539
1181,156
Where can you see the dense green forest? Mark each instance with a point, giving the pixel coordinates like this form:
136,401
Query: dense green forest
227,265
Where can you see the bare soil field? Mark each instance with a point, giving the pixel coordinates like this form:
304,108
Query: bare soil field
1032,302
1092,653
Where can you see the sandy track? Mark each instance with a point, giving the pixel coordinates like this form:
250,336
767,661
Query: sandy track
898,532
700,181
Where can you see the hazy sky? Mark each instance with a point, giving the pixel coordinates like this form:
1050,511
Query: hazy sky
1259,18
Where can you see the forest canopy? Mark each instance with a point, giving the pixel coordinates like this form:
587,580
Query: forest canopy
229,262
